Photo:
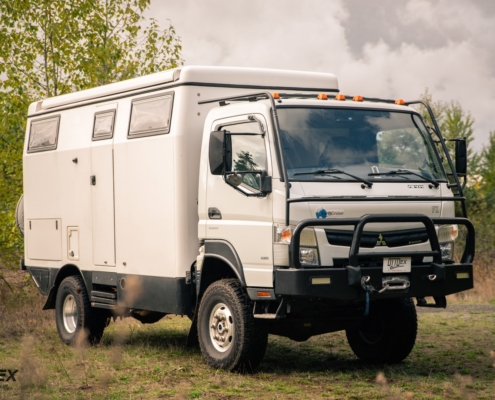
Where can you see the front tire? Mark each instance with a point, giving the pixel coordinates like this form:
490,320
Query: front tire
74,315
229,336
388,334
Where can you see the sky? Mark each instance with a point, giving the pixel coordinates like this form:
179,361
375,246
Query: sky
376,48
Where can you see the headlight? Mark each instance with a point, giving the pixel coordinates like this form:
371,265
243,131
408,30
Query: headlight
447,250
308,250
446,236
308,256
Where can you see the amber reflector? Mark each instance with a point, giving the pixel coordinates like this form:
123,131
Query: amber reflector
322,96
340,97
263,294
357,98
276,96
400,102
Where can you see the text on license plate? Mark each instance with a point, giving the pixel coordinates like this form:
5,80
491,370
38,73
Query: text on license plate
396,264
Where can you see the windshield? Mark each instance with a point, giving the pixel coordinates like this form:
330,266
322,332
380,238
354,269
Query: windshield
367,143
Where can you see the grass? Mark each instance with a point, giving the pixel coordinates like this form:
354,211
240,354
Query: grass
453,358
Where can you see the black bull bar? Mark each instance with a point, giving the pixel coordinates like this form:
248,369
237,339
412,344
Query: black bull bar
427,279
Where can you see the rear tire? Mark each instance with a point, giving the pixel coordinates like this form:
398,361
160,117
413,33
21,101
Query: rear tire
74,315
229,336
388,334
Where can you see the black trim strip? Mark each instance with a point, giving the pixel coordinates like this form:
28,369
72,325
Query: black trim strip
405,198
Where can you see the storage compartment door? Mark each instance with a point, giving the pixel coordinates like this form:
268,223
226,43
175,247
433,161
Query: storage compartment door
44,239
102,192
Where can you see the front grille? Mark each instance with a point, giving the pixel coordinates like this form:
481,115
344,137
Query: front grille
377,239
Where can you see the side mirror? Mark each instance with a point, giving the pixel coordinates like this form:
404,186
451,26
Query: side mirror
218,142
461,157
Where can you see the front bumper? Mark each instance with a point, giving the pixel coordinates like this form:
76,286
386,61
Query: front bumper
349,283
308,282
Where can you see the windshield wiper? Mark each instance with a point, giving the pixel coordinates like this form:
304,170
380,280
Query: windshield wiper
335,171
406,172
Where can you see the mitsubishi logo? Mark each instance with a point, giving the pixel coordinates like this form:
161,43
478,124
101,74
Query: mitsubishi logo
381,241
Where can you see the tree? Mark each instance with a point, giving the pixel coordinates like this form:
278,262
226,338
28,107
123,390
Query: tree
52,47
454,123
487,169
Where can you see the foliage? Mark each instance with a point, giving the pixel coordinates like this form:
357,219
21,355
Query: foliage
454,123
12,125
53,47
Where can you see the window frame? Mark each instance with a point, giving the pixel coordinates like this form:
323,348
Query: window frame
43,148
106,136
151,132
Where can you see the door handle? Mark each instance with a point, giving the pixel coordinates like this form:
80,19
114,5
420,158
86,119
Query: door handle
214,213
93,180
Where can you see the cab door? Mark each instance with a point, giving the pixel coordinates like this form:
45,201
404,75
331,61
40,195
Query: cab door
245,222
102,186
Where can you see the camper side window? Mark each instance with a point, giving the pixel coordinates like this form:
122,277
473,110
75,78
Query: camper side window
150,116
43,134
103,125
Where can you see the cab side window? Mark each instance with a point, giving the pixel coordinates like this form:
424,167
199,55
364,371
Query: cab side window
248,152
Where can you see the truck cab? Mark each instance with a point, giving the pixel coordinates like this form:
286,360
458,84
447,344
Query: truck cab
335,212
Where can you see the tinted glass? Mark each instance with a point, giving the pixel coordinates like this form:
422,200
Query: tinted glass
150,116
43,134
104,122
356,141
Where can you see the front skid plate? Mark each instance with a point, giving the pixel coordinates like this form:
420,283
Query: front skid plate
302,282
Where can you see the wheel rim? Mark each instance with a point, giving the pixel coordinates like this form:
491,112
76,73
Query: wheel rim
222,327
70,314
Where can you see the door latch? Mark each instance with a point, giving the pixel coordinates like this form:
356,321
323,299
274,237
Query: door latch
214,213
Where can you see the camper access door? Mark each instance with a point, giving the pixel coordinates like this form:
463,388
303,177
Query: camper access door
102,186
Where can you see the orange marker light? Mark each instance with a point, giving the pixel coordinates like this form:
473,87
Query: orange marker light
340,97
400,102
322,96
276,96
357,98
263,294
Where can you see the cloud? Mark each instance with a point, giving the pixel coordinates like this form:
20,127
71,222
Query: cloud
382,48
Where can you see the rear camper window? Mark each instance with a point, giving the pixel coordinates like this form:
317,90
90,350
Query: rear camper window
103,127
43,134
150,116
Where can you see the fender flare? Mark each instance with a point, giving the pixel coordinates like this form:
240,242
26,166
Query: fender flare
223,250
61,274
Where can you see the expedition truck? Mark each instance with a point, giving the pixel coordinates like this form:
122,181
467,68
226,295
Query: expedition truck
254,201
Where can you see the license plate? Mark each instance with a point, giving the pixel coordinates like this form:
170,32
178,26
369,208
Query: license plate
396,264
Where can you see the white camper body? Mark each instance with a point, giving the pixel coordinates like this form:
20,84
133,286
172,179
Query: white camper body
175,192
139,216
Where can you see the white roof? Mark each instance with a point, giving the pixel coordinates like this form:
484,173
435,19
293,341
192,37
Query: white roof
232,76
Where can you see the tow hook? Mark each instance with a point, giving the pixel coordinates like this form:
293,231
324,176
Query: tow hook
394,283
